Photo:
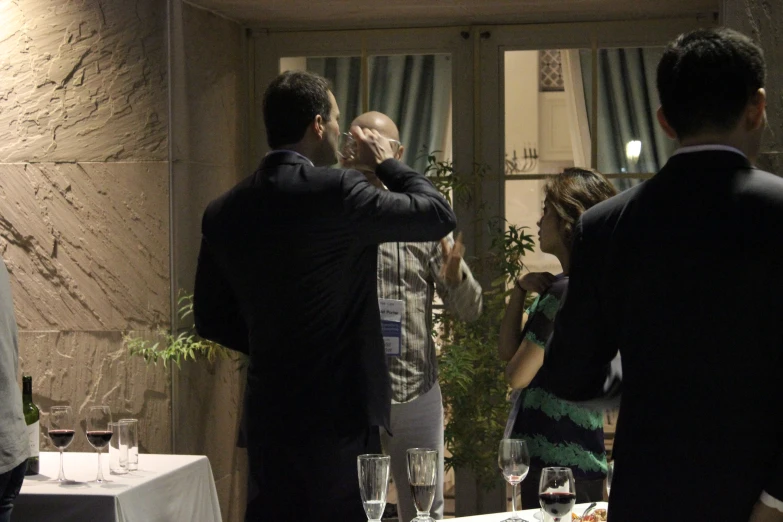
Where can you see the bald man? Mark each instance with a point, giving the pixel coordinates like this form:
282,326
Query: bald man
408,276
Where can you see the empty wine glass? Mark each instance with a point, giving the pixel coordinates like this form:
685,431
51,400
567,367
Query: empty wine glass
514,462
99,433
422,474
557,492
609,473
373,483
61,432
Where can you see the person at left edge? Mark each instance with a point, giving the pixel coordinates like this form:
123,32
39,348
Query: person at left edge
287,274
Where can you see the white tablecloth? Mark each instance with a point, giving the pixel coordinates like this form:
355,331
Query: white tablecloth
166,488
527,514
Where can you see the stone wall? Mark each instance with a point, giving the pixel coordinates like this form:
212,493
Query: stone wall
208,134
84,201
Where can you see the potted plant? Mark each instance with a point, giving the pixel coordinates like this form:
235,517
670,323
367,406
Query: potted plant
471,375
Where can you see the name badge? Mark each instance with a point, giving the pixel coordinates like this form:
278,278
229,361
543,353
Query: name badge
391,325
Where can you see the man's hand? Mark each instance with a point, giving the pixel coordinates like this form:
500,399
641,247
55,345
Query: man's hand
538,282
373,149
451,269
763,513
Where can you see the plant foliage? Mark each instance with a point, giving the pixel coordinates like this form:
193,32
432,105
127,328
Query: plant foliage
183,346
471,375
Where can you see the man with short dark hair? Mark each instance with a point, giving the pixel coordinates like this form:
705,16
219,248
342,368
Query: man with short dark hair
14,444
682,275
286,274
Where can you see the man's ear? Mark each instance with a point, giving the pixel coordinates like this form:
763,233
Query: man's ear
319,126
755,110
664,123
400,152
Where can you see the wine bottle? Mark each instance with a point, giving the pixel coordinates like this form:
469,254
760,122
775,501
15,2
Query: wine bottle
31,417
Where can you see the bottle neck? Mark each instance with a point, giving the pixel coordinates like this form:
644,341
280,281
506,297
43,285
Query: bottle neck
27,390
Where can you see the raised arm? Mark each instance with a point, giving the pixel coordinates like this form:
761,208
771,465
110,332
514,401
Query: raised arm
411,210
454,282
215,309
511,326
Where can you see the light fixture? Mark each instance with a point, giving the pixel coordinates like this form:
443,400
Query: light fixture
632,151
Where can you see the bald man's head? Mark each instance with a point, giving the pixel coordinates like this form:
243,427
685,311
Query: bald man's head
378,121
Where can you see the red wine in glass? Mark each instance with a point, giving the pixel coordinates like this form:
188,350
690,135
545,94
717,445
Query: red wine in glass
61,439
98,433
61,432
98,439
558,504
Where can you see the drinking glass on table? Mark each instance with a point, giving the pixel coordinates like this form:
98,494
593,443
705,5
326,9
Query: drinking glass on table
61,432
557,492
514,462
422,474
373,483
99,433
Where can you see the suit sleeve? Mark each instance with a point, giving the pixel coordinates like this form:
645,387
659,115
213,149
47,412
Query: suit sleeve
580,363
215,309
411,210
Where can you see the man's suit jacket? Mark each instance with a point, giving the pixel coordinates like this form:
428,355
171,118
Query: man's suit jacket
682,275
286,274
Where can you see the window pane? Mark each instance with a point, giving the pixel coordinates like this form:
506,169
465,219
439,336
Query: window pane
629,137
415,92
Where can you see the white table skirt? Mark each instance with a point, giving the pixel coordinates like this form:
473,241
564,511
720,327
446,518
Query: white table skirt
527,514
165,488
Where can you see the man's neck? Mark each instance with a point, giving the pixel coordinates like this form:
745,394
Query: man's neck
728,140
300,148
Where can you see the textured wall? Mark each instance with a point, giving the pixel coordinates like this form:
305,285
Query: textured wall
208,90
84,200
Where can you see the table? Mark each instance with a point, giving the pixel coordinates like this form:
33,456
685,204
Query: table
165,488
527,514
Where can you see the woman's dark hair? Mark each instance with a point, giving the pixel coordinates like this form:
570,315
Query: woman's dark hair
574,191
706,79
291,103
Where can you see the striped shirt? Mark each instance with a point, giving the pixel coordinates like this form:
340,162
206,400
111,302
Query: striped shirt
410,272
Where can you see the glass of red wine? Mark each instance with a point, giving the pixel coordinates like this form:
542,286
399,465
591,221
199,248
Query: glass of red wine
61,432
99,433
514,462
422,474
557,492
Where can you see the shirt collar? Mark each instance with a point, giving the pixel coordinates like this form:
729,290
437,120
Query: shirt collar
279,151
702,148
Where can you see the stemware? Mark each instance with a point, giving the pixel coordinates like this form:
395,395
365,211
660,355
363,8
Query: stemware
609,473
99,433
422,474
514,462
557,492
61,432
373,483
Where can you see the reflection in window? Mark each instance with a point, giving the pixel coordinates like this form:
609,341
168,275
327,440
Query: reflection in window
629,137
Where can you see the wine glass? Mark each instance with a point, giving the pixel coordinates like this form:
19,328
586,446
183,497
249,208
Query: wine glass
373,483
422,474
99,433
514,462
609,473
557,492
61,432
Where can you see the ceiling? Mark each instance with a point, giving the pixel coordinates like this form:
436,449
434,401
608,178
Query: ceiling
352,14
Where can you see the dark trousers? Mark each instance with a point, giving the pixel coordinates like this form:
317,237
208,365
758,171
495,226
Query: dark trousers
587,490
10,484
310,479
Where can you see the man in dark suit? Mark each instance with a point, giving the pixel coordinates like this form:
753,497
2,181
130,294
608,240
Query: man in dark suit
287,274
682,275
